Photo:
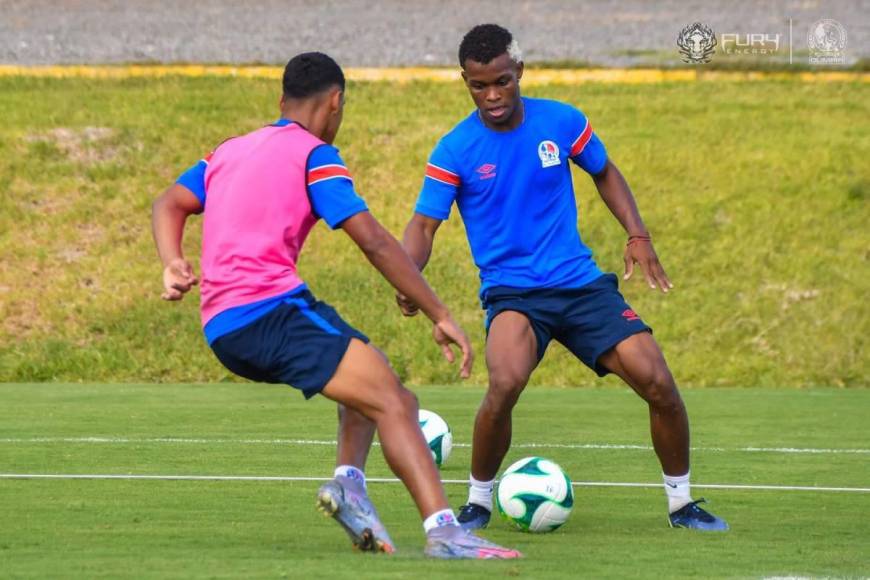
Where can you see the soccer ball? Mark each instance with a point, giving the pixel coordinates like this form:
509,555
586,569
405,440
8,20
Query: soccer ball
437,434
535,495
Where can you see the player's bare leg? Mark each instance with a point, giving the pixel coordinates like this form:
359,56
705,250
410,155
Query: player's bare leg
511,356
364,382
639,361
355,435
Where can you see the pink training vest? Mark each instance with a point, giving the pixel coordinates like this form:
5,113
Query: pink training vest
257,216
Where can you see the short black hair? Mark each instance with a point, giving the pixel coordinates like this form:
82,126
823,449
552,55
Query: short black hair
483,43
310,73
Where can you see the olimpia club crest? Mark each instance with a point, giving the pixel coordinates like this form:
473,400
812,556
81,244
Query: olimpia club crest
697,43
548,151
827,42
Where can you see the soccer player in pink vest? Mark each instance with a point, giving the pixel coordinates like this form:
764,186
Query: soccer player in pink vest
260,194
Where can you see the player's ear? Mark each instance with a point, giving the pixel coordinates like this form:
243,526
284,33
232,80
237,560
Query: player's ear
464,76
520,67
336,101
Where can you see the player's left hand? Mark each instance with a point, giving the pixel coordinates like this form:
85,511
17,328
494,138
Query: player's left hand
641,251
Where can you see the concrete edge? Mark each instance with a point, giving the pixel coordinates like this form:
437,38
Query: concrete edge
404,75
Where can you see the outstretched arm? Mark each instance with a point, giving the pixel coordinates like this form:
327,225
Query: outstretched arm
388,257
617,196
169,213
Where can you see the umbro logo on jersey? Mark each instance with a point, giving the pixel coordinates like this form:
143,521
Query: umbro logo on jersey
486,171
549,154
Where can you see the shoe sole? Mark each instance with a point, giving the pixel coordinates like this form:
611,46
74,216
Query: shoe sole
365,541
478,554
673,527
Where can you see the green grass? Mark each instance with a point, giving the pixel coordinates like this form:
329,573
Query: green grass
756,194
224,529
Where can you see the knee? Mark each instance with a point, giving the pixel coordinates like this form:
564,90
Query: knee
505,387
400,401
409,401
659,390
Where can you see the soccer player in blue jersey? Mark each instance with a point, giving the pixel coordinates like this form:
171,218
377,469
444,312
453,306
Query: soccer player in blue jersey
506,166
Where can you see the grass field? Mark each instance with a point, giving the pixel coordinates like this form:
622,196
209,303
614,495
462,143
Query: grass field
257,529
756,194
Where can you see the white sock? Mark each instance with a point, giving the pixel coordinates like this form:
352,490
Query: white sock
480,492
677,489
440,519
351,472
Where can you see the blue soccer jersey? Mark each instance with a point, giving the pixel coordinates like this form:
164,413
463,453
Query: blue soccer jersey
515,195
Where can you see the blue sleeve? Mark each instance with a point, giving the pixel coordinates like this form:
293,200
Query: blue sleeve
587,150
330,187
440,185
194,180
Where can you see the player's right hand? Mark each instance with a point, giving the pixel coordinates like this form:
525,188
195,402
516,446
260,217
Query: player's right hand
447,332
178,279
407,307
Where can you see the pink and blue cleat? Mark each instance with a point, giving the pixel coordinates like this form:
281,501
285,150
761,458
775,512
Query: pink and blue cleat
456,543
346,501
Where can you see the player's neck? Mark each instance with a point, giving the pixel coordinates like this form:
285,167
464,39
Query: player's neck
307,114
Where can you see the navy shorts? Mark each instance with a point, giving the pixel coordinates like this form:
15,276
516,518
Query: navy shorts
300,343
588,321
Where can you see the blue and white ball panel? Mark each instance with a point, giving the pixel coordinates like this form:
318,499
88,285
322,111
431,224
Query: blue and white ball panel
535,495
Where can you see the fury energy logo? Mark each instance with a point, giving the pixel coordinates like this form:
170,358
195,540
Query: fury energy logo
697,43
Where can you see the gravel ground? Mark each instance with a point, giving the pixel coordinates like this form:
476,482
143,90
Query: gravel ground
392,32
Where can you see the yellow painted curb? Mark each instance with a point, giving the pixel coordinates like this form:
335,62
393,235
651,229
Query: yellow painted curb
531,77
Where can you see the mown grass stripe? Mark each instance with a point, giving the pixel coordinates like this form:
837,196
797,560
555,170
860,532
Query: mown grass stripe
531,76
291,478
328,442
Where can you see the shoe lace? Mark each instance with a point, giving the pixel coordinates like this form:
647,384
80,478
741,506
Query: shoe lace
470,509
698,511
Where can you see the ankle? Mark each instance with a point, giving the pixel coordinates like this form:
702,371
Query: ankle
480,492
440,519
678,490
351,472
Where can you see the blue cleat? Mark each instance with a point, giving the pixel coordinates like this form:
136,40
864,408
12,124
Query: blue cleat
473,517
693,517
456,543
346,501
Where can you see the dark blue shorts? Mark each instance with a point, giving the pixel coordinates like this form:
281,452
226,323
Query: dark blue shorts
299,343
588,321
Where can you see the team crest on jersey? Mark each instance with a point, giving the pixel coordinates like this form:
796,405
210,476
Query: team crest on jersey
549,154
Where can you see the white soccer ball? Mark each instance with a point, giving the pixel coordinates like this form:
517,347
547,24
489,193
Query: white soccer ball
535,495
437,434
